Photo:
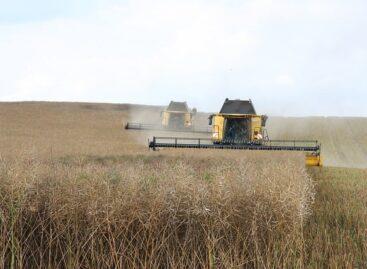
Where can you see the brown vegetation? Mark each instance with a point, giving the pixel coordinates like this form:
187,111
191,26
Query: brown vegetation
76,190
336,234
152,212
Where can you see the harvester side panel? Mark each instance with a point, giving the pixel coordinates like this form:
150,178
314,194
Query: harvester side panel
218,126
255,127
188,119
165,118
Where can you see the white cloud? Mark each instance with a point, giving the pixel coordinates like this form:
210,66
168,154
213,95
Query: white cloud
201,51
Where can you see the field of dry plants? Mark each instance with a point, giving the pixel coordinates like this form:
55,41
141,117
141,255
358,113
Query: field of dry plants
78,191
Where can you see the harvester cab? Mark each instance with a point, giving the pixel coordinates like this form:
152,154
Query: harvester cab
238,126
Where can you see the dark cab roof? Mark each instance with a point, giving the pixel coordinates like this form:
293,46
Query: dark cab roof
178,106
238,107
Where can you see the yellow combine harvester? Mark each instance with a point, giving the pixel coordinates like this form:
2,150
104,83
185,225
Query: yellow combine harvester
238,126
177,117
237,122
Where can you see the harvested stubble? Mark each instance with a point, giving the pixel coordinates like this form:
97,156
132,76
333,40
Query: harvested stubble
150,211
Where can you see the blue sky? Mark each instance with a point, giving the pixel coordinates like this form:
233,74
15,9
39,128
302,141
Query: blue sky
291,57
23,11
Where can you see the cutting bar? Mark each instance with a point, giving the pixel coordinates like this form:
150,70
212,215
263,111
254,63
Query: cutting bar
204,143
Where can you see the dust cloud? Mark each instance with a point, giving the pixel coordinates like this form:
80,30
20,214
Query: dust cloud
343,140
152,115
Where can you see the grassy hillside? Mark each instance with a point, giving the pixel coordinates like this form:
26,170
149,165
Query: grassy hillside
63,128
83,128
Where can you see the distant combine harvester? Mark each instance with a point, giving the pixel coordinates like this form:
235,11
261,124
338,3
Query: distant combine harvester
176,117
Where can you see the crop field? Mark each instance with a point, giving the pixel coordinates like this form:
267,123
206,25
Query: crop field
79,191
